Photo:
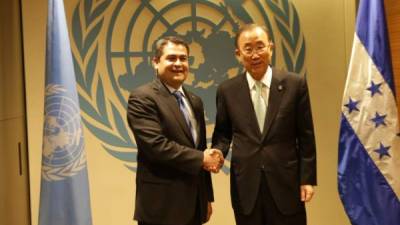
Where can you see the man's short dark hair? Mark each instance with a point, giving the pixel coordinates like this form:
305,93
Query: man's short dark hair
160,44
248,27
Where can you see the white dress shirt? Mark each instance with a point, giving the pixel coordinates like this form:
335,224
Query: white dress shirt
265,80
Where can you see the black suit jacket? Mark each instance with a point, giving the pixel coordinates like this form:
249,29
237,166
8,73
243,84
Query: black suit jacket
285,150
170,181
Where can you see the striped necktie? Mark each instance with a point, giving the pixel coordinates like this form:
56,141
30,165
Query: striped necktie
185,111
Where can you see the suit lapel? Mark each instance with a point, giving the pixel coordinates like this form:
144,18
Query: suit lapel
172,104
275,95
197,111
244,100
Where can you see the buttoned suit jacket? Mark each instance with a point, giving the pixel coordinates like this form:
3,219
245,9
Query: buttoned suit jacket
170,181
285,151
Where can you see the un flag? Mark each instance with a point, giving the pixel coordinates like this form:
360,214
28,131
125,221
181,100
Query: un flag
64,196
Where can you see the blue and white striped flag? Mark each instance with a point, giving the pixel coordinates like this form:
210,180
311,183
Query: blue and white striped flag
369,144
64,196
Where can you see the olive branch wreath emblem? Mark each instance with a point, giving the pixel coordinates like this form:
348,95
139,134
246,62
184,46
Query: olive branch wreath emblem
288,23
87,23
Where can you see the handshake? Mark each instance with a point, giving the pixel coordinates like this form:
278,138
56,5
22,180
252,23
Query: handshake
213,160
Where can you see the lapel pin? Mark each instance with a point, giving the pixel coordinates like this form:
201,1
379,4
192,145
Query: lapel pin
280,88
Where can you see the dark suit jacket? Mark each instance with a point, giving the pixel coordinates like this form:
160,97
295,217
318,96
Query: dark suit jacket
170,181
285,150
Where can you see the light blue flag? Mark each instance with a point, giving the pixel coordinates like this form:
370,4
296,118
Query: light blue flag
369,144
64,196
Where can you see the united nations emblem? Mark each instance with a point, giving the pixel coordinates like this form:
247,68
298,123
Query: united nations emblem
114,42
63,154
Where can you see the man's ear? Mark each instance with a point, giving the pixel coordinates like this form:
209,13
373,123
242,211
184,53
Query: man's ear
272,45
237,53
155,62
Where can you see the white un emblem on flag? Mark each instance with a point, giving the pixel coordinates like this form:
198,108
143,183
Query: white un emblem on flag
63,139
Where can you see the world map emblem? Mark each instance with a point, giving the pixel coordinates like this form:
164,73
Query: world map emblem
63,154
114,44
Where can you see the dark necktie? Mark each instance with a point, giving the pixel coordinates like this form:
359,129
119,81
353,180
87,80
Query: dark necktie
185,111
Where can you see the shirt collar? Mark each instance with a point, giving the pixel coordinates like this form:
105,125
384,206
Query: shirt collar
266,79
172,90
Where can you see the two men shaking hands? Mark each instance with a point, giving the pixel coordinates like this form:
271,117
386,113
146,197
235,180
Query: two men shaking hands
213,160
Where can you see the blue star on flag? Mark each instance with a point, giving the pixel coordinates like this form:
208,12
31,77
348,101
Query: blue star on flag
352,105
379,120
374,88
382,151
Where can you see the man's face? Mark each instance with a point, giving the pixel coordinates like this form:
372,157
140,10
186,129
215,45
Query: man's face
172,66
254,51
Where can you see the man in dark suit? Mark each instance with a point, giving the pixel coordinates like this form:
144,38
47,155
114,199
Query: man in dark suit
266,115
172,185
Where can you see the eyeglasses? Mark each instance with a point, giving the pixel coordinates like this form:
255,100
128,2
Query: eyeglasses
259,49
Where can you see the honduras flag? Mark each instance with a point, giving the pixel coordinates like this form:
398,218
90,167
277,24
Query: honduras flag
64,196
369,145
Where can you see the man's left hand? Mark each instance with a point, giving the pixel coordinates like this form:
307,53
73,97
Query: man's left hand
306,192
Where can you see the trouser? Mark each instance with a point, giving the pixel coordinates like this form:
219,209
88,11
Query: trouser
266,212
196,220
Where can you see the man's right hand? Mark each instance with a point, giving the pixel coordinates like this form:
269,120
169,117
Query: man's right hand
213,160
